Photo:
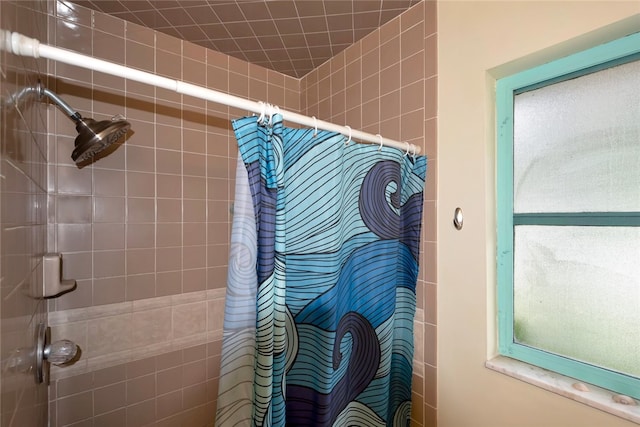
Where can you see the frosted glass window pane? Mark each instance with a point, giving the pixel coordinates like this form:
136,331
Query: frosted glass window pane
577,293
577,144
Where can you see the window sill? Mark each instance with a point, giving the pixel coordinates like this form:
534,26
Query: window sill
596,397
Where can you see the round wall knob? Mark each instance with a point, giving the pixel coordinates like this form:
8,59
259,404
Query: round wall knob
47,353
60,352
458,220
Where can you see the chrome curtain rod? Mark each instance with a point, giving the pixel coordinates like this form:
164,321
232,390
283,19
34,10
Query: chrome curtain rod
19,44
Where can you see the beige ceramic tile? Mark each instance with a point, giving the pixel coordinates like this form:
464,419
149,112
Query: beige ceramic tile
109,290
140,286
430,136
109,183
141,261
168,161
412,40
168,234
141,413
194,164
412,125
70,180
169,186
140,210
140,159
140,184
390,107
168,283
215,315
194,141
73,209
169,259
194,396
412,68
194,234
194,256
108,263
194,373
413,16
430,344
141,388
138,368
189,319
418,357
169,404
109,334
74,385
74,237
139,56
74,408
108,209
109,398
151,326
77,265
169,210
115,418
108,236
141,236
216,277
169,380
430,395
412,97
194,187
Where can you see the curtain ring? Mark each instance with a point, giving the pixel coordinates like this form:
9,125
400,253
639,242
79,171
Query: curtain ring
270,113
315,126
379,136
348,140
408,147
274,110
262,112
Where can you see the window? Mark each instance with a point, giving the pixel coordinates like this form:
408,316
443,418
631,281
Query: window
568,187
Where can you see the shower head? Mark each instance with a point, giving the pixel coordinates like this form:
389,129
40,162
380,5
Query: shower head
93,136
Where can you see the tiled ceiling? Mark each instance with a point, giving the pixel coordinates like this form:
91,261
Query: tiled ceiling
289,36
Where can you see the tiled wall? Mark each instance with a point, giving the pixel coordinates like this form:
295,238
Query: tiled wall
23,145
177,388
145,230
387,84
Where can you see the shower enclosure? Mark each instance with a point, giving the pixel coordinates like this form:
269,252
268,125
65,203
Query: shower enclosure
144,231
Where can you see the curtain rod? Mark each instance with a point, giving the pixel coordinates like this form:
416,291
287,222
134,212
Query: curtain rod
19,44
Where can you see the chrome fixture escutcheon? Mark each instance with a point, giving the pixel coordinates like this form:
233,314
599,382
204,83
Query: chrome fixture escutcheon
46,352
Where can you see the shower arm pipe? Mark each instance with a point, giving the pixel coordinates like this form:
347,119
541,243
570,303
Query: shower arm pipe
60,103
41,91
25,46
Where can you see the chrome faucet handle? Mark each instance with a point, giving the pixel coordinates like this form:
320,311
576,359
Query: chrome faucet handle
60,352
48,353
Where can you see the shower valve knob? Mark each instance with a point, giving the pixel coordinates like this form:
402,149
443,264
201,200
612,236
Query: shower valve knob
48,353
60,352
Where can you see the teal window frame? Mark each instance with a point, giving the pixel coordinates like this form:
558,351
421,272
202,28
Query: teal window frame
625,49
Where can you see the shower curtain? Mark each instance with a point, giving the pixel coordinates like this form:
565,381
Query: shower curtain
318,327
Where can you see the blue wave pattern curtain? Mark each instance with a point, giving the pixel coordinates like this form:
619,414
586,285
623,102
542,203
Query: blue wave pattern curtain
321,287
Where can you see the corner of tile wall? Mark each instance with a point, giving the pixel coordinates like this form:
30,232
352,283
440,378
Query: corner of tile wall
23,222
387,83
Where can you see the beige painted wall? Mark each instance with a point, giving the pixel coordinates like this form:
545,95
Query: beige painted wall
477,42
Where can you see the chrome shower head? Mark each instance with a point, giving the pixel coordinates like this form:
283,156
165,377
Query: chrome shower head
94,137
